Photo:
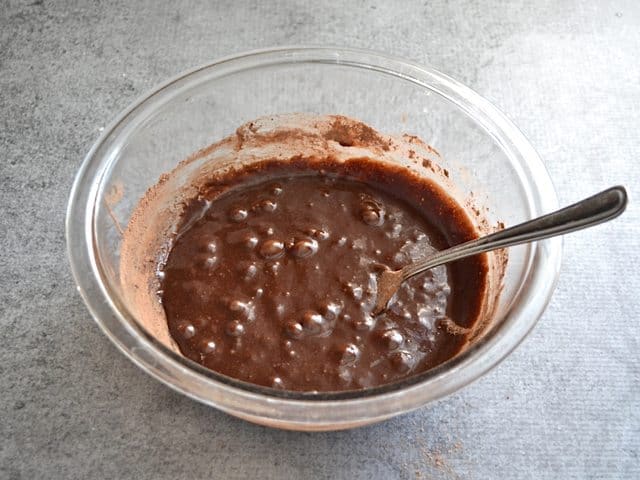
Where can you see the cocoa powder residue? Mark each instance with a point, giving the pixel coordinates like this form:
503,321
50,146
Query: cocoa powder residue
350,134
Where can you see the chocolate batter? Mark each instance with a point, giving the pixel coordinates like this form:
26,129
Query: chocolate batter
271,277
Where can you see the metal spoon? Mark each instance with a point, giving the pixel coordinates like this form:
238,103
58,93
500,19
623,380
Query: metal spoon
591,211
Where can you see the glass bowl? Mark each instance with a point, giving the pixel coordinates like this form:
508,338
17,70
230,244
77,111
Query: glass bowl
484,152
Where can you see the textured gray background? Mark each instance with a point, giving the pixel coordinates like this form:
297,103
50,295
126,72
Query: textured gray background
566,404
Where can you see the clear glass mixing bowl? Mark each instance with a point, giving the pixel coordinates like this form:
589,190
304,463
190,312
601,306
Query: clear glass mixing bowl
483,151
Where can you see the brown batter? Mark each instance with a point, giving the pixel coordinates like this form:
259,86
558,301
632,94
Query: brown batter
272,282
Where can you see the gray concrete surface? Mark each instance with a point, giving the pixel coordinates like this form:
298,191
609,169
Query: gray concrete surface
566,404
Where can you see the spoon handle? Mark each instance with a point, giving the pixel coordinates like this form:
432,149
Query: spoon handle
602,207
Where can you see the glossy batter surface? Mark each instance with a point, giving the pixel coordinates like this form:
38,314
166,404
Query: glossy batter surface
272,281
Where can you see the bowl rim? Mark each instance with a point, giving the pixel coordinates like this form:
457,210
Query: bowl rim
239,397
